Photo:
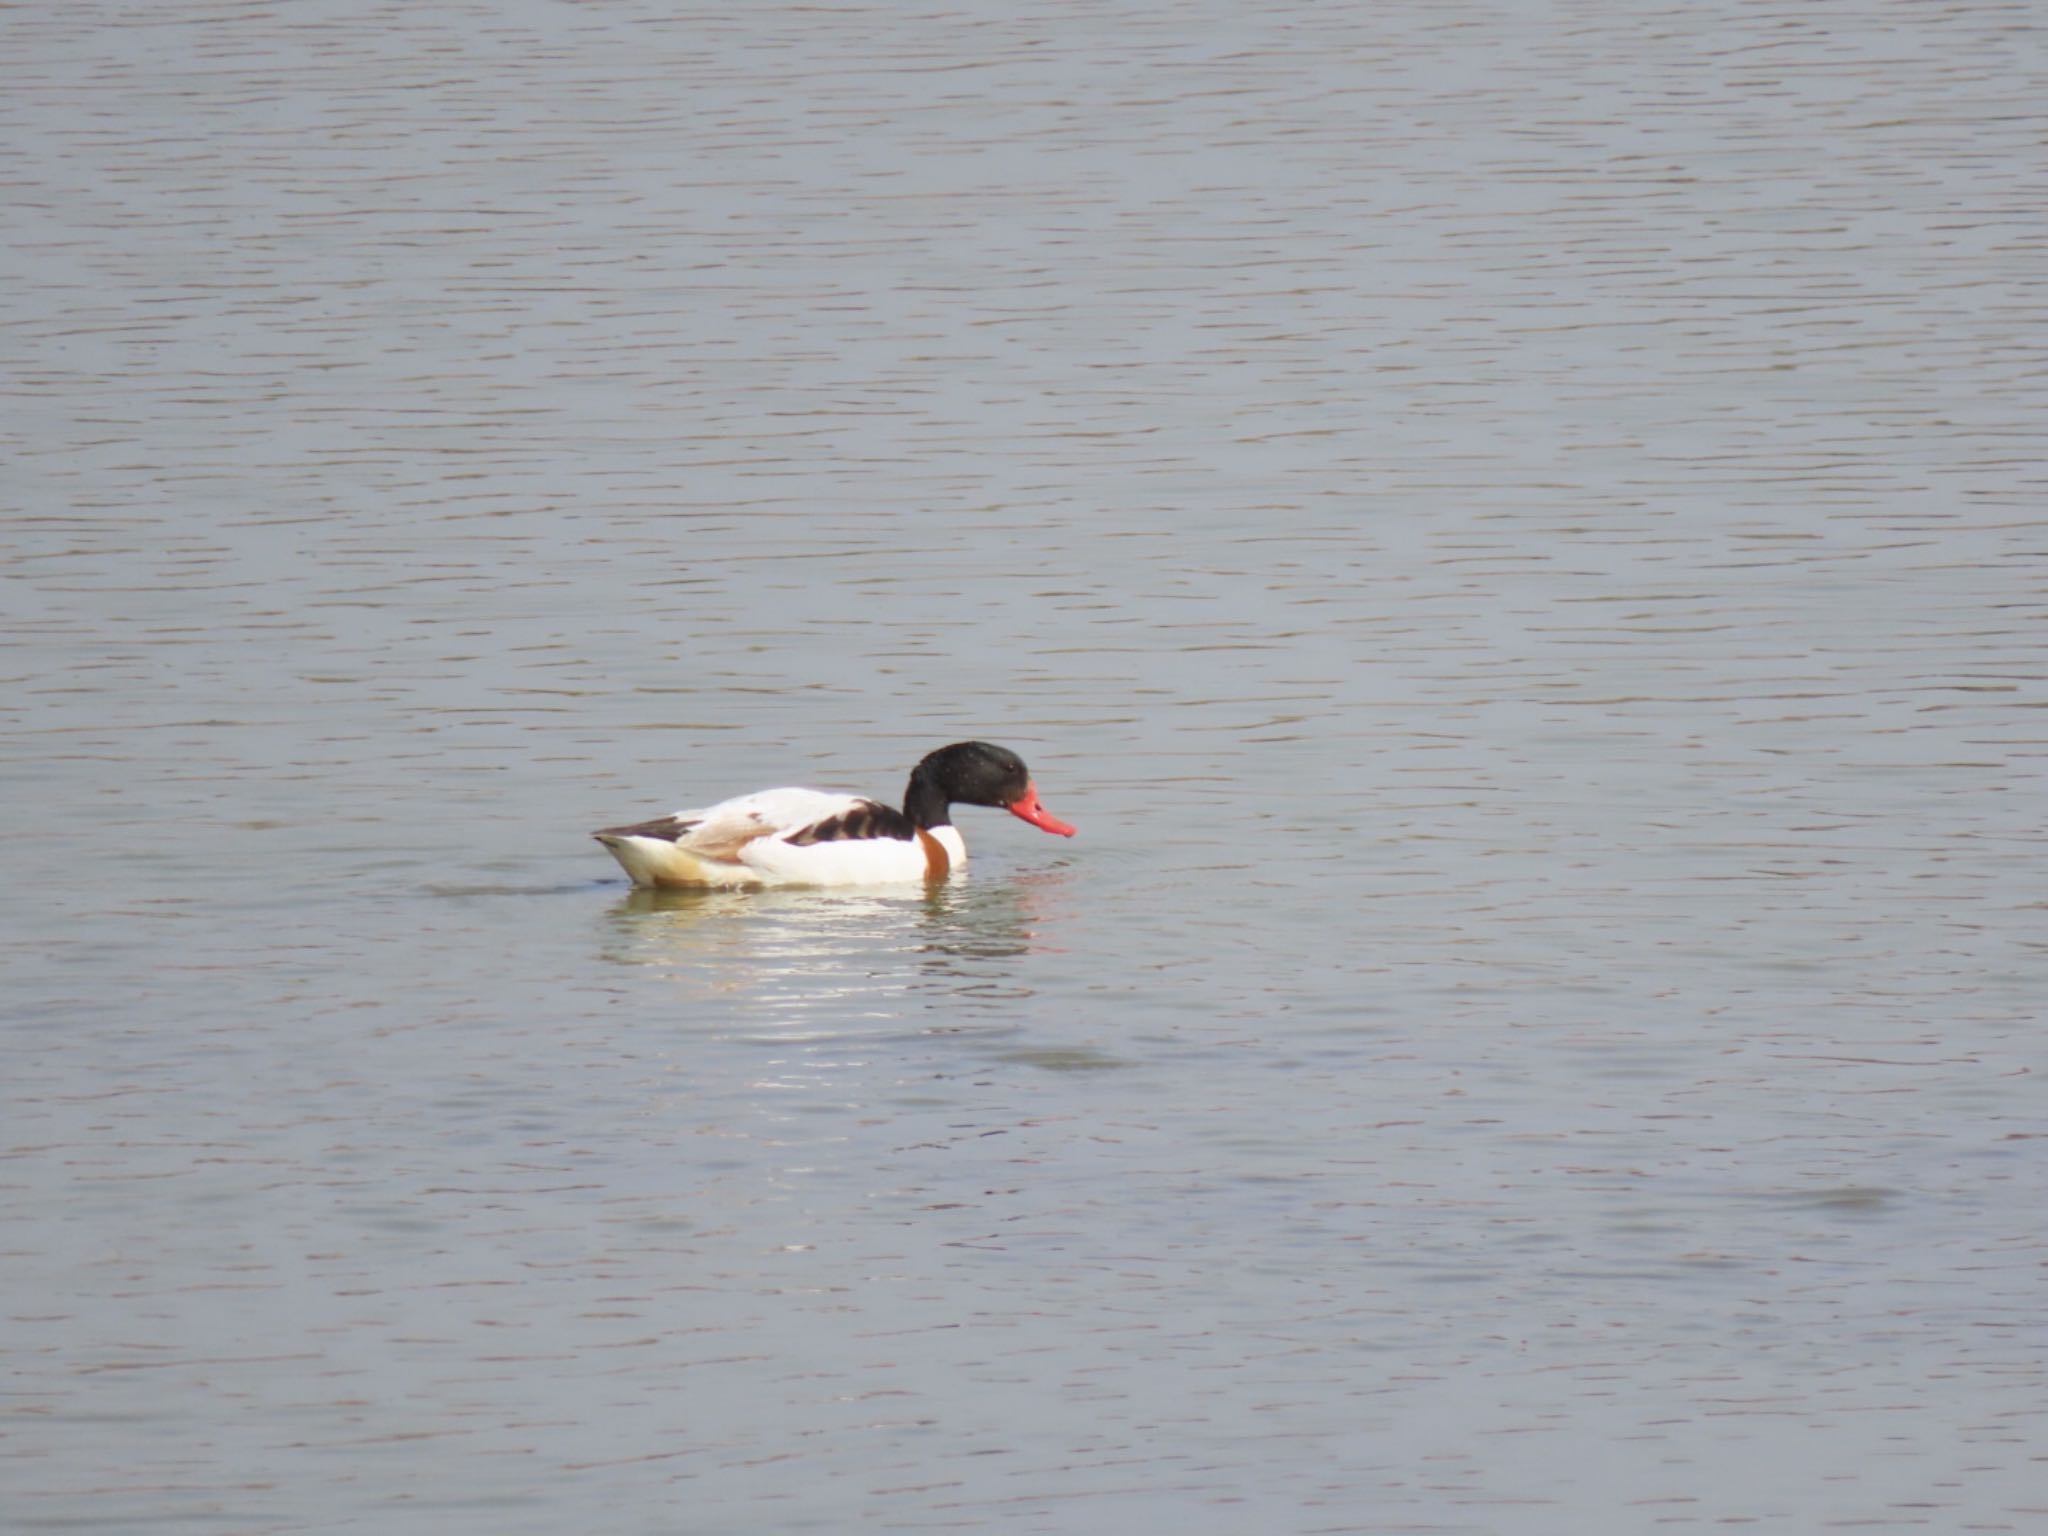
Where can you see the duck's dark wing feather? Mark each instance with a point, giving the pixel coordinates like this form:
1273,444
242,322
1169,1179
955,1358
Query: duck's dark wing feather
860,820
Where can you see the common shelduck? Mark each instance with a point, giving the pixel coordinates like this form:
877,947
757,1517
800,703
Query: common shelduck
811,837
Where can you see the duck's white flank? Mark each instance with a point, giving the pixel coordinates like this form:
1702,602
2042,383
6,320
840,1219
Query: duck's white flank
857,861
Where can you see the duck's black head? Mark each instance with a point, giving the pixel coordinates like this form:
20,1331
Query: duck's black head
975,773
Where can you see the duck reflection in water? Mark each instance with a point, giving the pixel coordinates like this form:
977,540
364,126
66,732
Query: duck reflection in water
839,954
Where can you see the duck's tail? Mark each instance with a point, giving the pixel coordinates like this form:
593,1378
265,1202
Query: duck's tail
660,864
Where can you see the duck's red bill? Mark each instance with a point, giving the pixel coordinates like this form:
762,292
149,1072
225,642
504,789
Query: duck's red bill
1026,807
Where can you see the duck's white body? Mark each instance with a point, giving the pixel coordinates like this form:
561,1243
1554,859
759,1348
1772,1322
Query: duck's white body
813,837
785,837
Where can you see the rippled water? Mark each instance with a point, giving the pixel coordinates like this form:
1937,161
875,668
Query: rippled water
1513,531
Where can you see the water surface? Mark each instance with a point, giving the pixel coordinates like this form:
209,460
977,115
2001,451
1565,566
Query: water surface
1514,532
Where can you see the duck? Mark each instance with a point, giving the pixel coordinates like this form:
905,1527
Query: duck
818,837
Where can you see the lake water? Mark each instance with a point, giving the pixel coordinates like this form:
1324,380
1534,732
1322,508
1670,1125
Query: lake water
1515,531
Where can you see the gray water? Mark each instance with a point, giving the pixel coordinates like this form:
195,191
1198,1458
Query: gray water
1514,531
